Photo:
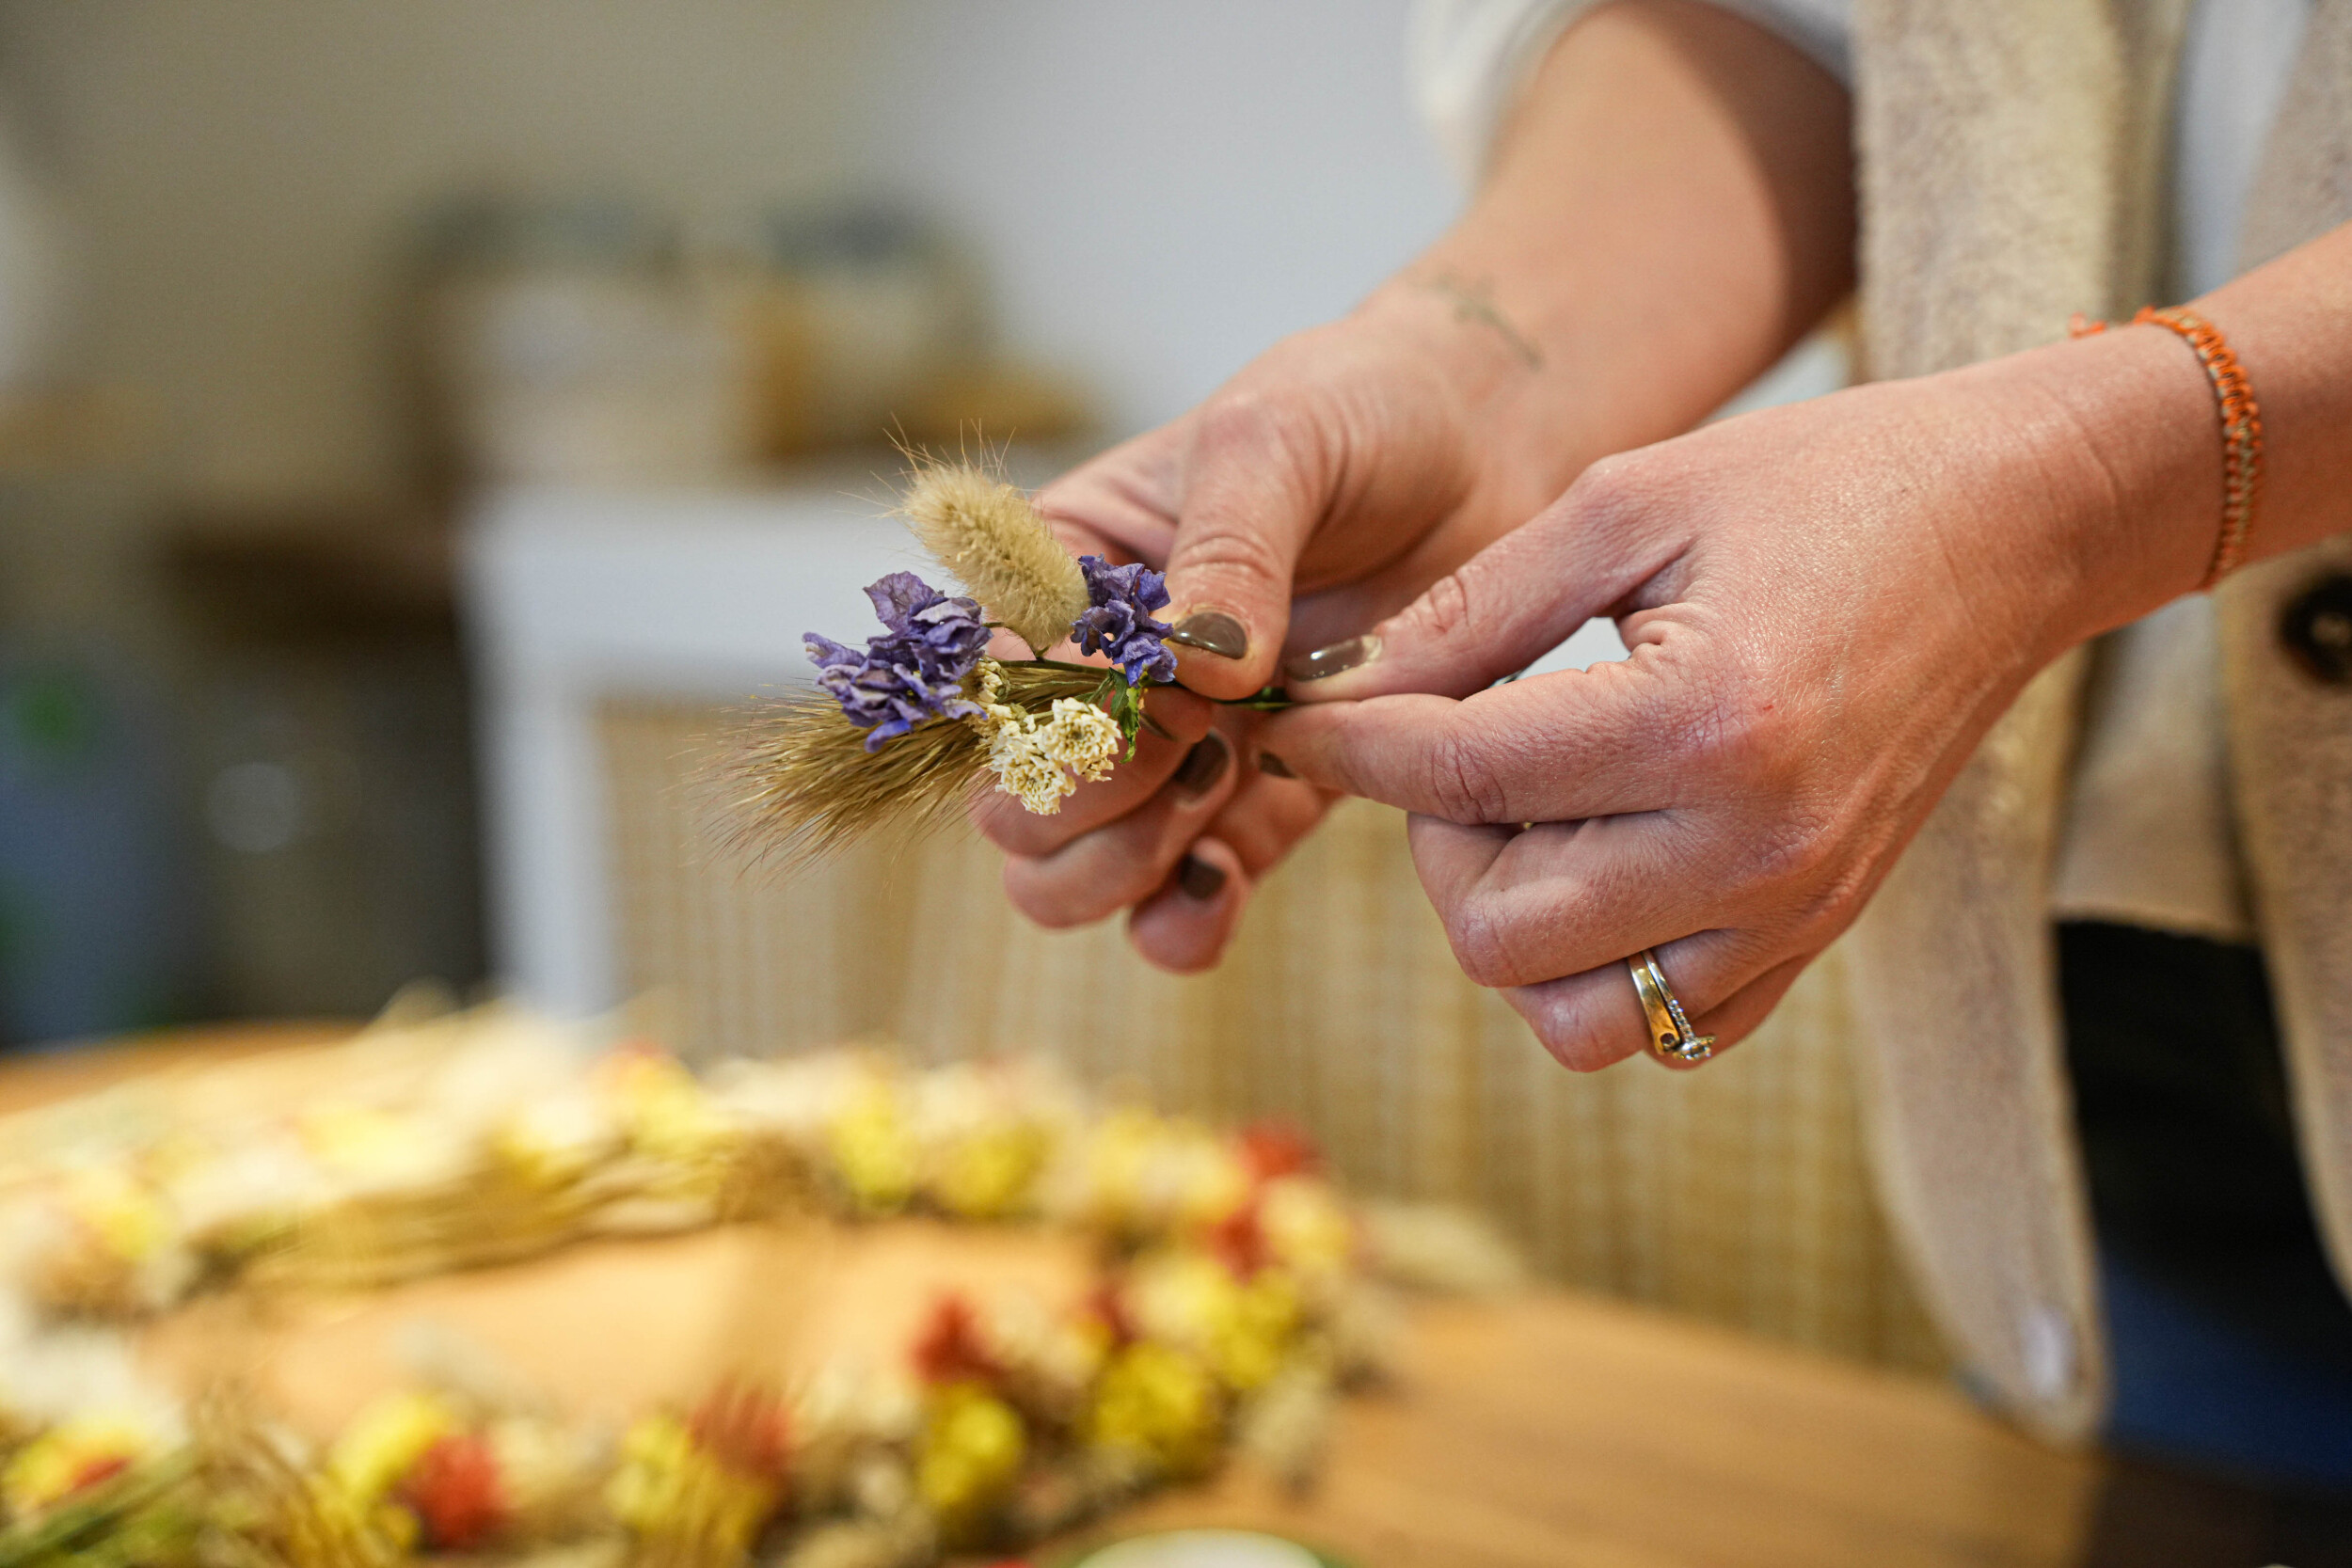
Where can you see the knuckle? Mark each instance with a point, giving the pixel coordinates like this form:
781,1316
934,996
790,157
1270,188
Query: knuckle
1610,492
1443,613
1482,944
1568,1035
1228,545
1462,781
1832,887
1011,830
1255,424
1057,902
1795,851
1260,836
1747,737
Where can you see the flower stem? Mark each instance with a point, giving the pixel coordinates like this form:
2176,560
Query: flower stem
1268,699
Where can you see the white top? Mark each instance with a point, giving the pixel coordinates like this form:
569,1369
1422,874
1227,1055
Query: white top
2149,839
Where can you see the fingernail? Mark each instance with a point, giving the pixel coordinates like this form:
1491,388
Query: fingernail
1203,765
1274,766
1211,631
1199,880
1334,659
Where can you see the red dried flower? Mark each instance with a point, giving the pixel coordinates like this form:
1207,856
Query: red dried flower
951,1349
1239,1239
103,1468
1276,1148
1106,1307
744,1429
456,1492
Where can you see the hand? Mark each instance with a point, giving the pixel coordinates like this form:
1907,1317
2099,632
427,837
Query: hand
1826,606
1342,465
1669,206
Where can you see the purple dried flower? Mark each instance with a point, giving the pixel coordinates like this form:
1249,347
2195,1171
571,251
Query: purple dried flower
1118,621
913,673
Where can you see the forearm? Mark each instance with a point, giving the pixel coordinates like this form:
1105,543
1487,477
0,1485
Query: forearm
1668,209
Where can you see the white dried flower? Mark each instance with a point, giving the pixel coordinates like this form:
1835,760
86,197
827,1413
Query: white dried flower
1034,758
1018,755
1083,739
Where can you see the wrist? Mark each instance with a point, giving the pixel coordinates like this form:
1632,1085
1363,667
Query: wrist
2131,417
2092,476
2067,490
1537,418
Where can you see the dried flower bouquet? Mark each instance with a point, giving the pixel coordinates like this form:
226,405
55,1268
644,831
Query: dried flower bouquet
907,727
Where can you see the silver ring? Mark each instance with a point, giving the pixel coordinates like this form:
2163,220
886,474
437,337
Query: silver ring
1672,1039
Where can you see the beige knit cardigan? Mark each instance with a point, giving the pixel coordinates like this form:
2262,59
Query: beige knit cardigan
2012,173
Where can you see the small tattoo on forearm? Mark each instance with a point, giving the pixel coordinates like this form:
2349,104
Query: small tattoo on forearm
1474,301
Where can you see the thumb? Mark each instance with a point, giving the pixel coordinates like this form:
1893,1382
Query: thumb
1499,612
1259,479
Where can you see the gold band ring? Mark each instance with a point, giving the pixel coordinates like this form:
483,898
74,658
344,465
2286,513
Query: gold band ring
1672,1039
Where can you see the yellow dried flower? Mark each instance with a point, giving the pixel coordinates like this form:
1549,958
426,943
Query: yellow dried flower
1000,546
385,1441
874,1148
973,1447
77,1453
988,1173
1248,1345
123,1212
1241,1331
1146,1174
1160,1403
682,1502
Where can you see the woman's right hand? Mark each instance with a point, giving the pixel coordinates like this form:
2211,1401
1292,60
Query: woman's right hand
1344,467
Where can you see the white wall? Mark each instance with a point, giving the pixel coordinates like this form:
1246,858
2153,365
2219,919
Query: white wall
1164,187
1159,187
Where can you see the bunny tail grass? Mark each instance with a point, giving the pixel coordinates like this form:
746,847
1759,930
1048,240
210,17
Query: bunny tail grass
998,546
798,784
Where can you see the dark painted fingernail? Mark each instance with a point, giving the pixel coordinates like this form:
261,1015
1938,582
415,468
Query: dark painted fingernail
1199,880
1203,765
1274,766
1211,631
1338,657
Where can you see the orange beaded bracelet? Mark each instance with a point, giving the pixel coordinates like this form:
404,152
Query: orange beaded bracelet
2241,426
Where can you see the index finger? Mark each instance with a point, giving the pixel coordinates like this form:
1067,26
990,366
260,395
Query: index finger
1550,749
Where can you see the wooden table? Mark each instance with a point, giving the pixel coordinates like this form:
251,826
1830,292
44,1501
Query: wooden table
1529,1432
1561,1429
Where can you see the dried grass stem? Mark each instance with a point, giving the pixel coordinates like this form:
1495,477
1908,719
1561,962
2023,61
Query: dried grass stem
799,784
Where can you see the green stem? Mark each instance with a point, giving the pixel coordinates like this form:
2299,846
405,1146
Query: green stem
1264,700
1055,664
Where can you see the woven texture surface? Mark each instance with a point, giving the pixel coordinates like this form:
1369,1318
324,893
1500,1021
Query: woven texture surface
1737,1193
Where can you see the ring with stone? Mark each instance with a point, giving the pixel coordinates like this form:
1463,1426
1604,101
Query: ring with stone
1672,1039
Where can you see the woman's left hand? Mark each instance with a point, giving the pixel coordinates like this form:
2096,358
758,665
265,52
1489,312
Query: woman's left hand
1826,606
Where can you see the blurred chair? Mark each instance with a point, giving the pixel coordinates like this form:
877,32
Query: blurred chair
1739,1194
